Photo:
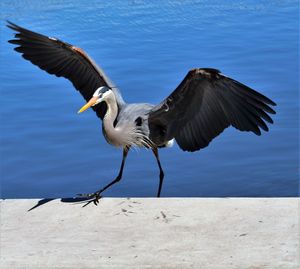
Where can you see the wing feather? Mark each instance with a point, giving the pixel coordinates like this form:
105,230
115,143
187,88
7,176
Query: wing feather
63,60
204,104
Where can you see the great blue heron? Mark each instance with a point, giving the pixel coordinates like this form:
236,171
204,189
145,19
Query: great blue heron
199,109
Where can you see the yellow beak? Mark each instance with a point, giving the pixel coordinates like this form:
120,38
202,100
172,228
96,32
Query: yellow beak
88,104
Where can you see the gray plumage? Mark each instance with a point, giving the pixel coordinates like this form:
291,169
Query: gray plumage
199,109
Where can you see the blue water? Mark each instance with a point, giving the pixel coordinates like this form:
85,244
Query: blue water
147,47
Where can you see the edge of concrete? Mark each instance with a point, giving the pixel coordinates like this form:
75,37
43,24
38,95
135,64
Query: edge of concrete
205,233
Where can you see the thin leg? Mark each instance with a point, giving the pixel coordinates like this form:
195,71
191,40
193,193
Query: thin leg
96,195
161,172
118,178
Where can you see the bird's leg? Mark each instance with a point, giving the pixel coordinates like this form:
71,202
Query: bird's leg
96,195
118,178
161,172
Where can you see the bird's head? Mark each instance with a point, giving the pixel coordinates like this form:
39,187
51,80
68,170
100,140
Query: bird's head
100,95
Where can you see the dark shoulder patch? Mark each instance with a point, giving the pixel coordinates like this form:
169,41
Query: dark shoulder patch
138,121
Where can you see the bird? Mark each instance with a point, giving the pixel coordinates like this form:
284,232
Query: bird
200,108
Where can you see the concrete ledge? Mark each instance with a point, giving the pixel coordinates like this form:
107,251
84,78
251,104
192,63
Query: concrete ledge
152,233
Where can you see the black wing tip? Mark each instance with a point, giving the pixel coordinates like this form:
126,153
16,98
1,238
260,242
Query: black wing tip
267,101
271,111
272,103
12,41
12,25
256,130
267,118
264,127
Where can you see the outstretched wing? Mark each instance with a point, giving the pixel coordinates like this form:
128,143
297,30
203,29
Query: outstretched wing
203,105
63,60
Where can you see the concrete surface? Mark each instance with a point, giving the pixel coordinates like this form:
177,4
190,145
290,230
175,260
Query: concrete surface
151,233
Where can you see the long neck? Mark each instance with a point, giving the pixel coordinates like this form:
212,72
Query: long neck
111,114
110,132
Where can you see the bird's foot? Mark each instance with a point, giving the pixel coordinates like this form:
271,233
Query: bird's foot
91,197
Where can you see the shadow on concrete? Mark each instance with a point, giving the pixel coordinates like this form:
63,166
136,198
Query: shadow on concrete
41,202
76,200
